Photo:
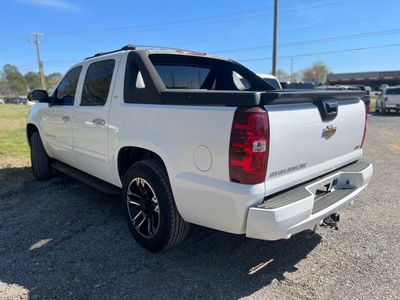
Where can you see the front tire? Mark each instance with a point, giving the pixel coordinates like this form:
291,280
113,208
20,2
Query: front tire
149,207
39,159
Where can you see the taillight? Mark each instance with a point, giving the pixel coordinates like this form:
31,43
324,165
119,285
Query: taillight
386,99
249,145
365,130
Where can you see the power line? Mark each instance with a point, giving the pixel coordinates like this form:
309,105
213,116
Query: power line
332,39
320,53
291,30
253,13
23,54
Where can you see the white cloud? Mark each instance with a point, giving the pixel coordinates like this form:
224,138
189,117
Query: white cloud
55,4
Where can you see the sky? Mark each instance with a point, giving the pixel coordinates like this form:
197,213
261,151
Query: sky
346,35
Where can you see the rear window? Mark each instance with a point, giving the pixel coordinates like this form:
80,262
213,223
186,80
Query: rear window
393,91
182,77
205,73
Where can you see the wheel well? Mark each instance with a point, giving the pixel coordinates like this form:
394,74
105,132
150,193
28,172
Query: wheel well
127,156
30,129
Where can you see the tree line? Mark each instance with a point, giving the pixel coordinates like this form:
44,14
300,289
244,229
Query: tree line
13,83
306,74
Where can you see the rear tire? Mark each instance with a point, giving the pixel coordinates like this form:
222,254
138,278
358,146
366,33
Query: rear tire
39,159
149,207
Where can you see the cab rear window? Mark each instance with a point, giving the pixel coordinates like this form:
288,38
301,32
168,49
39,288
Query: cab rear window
393,91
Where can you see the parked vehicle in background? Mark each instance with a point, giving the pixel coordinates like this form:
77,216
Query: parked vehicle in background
297,85
1,101
388,100
366,98
19,101
272,80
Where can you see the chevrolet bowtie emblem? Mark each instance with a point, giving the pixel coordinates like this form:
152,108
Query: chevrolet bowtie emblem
329,131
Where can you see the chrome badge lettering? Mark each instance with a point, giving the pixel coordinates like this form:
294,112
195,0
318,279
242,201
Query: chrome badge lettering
288,170
329,131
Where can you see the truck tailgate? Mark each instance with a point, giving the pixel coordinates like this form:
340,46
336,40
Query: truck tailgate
306,143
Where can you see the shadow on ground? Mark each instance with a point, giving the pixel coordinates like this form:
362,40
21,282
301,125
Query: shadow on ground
14,175
62,239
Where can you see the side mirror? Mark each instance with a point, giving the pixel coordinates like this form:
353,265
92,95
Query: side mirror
39,96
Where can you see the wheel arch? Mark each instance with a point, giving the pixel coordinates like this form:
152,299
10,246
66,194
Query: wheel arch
30,129
129,155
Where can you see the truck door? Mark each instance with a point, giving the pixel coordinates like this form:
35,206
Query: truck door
90,125
57,119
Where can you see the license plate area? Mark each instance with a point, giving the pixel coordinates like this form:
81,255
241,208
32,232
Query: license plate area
325,188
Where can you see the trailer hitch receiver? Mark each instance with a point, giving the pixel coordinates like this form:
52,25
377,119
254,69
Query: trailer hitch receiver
332,221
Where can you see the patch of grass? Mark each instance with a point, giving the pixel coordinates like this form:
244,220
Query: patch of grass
14,149
372,108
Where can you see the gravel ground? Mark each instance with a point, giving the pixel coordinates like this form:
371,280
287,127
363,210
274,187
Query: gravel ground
63,240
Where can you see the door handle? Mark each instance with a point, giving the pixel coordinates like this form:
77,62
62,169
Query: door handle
99,122
66,119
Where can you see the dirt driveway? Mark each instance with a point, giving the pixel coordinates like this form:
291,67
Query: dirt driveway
63,240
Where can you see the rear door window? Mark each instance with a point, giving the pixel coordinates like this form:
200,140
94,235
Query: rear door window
97,83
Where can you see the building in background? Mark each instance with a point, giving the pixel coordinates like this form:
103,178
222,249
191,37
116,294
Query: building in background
373,79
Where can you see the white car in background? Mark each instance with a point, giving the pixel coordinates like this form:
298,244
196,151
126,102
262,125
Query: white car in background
388,99
272,80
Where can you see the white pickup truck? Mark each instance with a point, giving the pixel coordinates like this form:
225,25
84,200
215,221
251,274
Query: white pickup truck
183,140
388,100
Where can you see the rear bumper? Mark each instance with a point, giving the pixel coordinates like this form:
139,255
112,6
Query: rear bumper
390,105
298,209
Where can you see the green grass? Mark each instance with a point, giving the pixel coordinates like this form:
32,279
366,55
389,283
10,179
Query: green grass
13,144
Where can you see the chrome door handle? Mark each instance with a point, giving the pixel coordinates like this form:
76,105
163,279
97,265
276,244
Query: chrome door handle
99,122
66,119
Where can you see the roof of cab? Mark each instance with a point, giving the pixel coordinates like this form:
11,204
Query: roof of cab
158,50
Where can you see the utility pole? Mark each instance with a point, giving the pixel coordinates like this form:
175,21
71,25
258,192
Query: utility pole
274,50
37,42
291,68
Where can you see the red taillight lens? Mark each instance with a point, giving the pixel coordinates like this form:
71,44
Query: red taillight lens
249,146
365,129
386,99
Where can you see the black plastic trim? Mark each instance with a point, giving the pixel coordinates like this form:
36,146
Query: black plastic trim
90,180
299,192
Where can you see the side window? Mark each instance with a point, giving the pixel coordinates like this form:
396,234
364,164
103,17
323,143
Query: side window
97,83
67,87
